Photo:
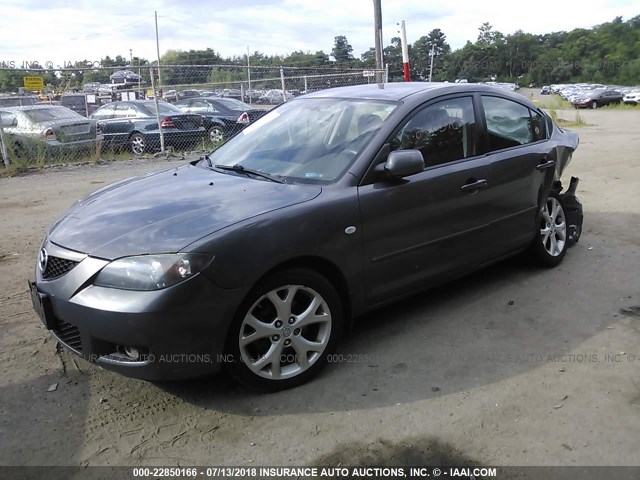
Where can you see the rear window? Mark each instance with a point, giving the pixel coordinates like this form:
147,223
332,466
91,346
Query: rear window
234,104
48,114
164,108
17,101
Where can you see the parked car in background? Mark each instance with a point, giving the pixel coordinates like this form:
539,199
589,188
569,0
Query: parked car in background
17,101
257,257
275,97
224,117
597,98
48,129
232,93
545,90
48,102
134,124
632,98
125,76
175,95
92,87
81,103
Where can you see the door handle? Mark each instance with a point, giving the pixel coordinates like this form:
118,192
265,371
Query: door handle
473,185
545,165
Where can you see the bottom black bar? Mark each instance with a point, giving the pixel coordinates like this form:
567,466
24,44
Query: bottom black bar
319,472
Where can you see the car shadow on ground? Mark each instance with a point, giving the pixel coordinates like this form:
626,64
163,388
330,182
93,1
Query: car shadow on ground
492,325
43,420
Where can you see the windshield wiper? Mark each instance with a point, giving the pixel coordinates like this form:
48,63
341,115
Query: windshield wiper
248,171
204,157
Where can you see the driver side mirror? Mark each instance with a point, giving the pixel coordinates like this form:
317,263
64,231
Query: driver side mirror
402,163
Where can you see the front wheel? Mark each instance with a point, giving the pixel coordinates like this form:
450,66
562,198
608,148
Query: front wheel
550,244
285,331
594,105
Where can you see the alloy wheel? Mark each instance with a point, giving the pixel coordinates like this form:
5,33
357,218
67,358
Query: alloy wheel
216,135
137,144
553,227
285,332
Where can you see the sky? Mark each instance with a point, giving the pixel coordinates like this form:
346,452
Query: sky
53,32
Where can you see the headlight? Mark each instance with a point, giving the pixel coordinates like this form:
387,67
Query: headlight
151,272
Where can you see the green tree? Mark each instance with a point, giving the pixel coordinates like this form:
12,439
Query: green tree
421,55
342,51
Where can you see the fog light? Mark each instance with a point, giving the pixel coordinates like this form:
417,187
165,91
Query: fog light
132,353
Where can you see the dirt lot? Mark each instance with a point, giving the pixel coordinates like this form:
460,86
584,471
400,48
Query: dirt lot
511,366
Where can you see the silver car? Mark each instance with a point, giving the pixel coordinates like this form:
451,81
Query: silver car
47,129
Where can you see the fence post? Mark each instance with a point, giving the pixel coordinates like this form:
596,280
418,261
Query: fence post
306,87
249,73
386,73
155,100
284,94
5,152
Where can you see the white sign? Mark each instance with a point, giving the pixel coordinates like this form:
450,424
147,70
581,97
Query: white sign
368,73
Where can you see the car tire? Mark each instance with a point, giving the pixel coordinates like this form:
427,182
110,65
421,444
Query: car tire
216,134
550,243
594,104
285,331
137,144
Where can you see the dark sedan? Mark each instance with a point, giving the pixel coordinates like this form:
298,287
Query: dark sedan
135,124
257,257
598,98
224,117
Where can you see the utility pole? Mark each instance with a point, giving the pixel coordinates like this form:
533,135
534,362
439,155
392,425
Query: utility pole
433,46
405,53
377,18
158,53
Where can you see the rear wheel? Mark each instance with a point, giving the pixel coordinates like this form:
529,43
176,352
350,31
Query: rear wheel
550,244
137,143
216,134
285,330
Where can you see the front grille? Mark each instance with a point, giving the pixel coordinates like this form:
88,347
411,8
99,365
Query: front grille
69,335
56,267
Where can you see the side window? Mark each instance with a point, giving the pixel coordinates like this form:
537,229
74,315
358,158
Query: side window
443,132
104,112
124,110
199,106
538,126
508,123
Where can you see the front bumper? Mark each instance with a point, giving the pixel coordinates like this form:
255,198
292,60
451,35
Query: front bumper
179,331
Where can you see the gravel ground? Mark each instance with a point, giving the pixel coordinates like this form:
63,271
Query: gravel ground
510,366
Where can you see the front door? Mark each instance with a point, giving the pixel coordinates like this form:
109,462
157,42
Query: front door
428,226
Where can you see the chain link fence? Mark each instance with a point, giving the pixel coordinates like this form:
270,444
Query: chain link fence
94,114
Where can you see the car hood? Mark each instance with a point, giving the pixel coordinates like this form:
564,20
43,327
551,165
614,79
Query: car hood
166,211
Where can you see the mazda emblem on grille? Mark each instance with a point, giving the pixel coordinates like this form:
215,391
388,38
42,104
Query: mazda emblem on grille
43,257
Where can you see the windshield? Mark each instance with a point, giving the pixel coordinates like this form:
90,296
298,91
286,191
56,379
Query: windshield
310,140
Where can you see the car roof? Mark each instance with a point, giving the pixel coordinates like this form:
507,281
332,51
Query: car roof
401,90
37,106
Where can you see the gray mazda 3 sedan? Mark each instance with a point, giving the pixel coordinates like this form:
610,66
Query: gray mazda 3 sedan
257,257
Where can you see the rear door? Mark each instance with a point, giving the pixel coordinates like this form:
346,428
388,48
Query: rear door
515,142
423,228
